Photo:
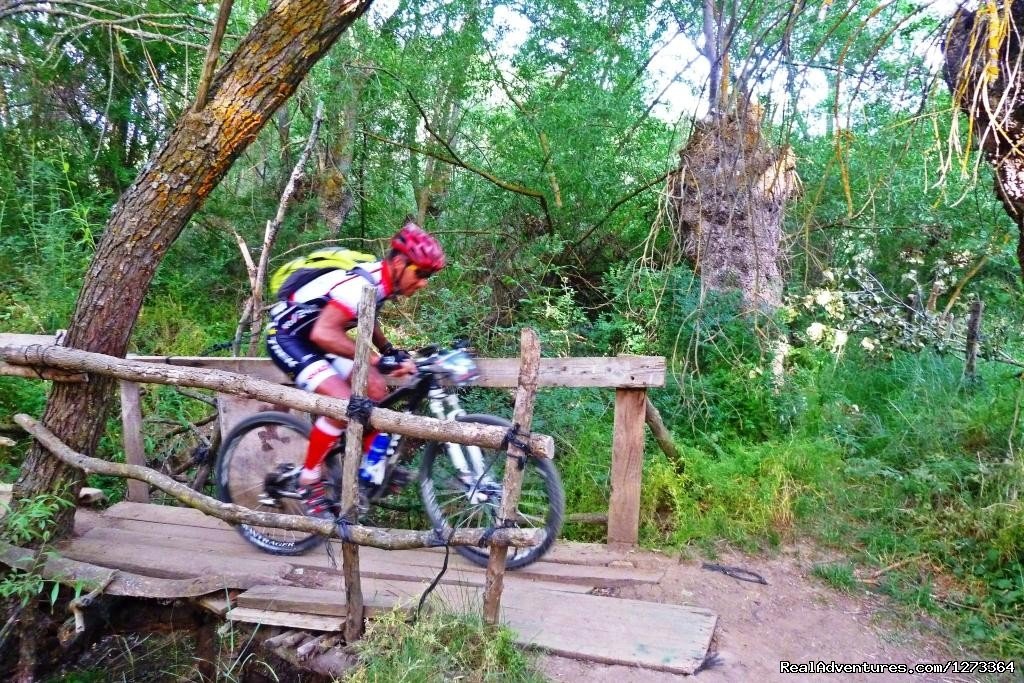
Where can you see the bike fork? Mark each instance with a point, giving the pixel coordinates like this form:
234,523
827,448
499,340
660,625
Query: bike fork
467,460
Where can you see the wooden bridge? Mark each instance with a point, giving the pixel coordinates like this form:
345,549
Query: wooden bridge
562,604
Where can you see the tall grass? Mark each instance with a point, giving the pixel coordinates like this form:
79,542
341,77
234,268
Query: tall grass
440,646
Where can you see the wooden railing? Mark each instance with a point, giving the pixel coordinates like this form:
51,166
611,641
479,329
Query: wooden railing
629,376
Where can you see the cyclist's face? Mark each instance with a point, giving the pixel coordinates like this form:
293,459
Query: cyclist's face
410,278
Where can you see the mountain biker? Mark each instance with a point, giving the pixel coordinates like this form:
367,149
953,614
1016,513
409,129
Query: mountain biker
308,338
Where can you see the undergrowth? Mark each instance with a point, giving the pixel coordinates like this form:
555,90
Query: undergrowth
440,646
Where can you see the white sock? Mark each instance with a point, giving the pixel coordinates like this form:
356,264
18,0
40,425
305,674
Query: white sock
307,477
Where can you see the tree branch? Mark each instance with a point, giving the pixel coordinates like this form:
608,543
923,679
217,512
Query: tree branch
256,307
212,53
388,539
453,157
615,207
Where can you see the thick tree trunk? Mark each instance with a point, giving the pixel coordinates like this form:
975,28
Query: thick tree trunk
983,71
727,199
263,72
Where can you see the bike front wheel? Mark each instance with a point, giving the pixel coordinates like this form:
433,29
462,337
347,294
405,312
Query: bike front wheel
257,468
454,500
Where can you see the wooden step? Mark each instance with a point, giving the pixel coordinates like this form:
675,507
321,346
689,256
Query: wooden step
306,622
670,638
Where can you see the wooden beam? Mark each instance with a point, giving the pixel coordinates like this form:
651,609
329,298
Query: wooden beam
621,371
626,372
426,428
627,466
131,428
499,373
523,416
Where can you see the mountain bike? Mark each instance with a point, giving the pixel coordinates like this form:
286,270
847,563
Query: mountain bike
460,486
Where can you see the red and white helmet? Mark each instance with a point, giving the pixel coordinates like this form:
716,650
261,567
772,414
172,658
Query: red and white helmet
422,249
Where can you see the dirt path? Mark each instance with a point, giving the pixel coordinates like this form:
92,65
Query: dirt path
795,618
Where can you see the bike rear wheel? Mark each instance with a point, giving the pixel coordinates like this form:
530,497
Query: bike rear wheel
251,460
450,502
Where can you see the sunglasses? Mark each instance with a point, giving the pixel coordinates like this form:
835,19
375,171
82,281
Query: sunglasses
422,273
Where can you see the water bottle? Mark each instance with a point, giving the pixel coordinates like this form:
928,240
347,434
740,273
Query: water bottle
375,462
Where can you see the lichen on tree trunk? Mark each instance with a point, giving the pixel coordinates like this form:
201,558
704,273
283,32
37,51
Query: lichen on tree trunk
985,75
727,201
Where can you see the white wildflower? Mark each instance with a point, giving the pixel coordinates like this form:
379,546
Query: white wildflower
839,340
816,331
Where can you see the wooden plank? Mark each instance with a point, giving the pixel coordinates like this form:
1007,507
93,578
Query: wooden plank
232,552
218,604
134,450
672,638
595,574
627,465
620,371
165,514
215,569
378,595
294,599
306,622
233,409
192,524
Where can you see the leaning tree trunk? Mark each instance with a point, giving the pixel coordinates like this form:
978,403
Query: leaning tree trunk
984,72
726,202
262,73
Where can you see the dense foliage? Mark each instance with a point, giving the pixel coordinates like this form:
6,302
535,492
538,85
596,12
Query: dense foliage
533,139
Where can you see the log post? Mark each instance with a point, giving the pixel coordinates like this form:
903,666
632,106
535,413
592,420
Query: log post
627,464
973,339
526,395
350,467
134,450
660,431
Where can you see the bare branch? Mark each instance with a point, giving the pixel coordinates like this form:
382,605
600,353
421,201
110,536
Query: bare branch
388,539
212,53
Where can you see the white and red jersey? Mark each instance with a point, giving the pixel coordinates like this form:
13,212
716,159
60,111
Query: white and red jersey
344,289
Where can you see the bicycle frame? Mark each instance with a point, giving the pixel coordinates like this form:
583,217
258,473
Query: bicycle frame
442,404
